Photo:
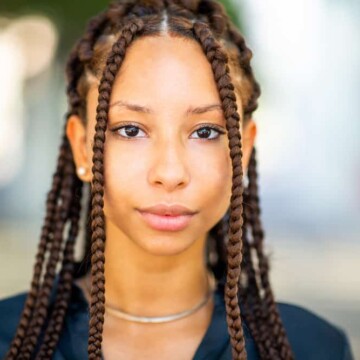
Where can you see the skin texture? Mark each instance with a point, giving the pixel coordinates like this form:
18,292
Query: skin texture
166,161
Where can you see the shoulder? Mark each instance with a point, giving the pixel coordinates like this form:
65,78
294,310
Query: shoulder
313,337
10,312
73,340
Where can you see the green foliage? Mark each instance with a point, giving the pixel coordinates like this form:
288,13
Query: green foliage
234,12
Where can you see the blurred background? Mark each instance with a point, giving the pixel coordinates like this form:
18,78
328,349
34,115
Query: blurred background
306,59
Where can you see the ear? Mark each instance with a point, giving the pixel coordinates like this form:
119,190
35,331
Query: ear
76,133
248,140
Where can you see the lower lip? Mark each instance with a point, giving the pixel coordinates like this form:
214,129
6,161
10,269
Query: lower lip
166,223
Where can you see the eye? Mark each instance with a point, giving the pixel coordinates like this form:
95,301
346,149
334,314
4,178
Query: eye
204,132
130,131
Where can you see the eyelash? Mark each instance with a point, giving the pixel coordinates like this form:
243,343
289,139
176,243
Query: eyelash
204,126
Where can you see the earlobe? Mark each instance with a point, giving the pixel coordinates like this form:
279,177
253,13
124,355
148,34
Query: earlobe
76,134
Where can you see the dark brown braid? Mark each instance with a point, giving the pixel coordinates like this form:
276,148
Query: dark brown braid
97,308
237,239
249,292
74,70
41,307
275,323
65,279
218,61
254,310
45,240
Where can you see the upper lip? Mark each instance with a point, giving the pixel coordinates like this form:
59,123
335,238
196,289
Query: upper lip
165,209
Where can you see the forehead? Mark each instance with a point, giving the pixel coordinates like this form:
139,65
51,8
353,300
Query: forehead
165,51
163,68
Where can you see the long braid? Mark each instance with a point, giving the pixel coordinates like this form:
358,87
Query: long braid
97,308
45,240
65,279
249,292
274,319
257,304
215,11
74,71
268,305
81,54
41,308
218,62
255,311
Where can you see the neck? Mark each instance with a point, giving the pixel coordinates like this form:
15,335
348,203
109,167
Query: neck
145,284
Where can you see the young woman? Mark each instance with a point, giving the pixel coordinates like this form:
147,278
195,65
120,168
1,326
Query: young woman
159,137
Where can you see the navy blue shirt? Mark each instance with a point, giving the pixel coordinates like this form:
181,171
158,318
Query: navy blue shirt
311,337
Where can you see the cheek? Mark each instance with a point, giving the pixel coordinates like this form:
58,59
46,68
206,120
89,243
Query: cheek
124,174
213,175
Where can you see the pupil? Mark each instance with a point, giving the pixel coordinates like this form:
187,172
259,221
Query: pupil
204,131
132,132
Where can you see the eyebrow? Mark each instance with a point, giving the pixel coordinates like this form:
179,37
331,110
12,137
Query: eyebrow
145,110
204,109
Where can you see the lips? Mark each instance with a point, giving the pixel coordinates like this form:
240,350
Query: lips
171,210
167,217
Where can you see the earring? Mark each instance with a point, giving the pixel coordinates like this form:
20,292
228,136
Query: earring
81,170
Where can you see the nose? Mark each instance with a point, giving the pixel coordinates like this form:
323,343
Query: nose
169,166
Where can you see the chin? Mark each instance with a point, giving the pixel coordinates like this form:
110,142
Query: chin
170,245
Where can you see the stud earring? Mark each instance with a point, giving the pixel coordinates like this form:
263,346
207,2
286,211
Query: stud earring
81,170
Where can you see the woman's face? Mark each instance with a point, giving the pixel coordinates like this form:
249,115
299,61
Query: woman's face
166,98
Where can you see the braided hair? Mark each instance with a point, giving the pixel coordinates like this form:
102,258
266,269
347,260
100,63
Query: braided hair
235,244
